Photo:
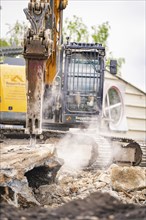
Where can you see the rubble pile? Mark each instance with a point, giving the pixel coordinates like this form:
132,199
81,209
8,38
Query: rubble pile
126,184
97,206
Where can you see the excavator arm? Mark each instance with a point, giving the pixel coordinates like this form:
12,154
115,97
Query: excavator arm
41,53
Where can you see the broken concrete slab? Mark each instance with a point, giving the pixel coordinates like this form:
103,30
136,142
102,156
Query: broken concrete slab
127,178
17,161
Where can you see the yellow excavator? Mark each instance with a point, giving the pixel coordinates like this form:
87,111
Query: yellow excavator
64,82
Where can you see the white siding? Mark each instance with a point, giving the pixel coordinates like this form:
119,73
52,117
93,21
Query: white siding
135,108
136,124
135,100
136,112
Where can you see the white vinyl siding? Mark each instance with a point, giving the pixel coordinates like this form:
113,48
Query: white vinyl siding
135,108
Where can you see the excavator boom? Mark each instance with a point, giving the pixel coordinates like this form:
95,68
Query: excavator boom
40,52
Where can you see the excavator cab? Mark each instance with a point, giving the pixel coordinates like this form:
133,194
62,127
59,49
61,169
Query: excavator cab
82,81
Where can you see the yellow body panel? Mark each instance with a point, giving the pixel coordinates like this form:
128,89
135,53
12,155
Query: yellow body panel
51,65
12,89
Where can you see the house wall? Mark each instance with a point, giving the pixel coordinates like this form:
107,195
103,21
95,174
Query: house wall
134,108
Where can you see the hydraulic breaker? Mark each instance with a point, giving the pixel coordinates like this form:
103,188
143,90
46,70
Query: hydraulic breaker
37,49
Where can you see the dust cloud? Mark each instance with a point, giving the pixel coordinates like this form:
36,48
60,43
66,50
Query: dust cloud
74,151
81,148
52,99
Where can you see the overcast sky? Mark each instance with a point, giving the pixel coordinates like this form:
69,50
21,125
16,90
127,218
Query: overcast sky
127,34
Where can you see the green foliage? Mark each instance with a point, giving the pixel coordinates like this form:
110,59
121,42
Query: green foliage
75,29
120,62
16,33
3,43
101,33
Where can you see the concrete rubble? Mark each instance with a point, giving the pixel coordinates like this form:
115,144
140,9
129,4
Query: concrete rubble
127,178
80,185
17,166
127,184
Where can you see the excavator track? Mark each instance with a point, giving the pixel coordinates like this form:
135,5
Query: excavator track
143,148
106,146
119,150
128,144
104,159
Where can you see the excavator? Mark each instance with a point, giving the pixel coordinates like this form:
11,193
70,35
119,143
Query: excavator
65,81
63,96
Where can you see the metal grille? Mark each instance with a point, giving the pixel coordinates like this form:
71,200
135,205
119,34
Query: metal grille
83,78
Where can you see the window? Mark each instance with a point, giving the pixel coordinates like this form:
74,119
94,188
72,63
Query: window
83,73
113,106
83,78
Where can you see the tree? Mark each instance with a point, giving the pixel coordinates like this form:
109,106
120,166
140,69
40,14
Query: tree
3,43
75,29
78,32
101,33
16,33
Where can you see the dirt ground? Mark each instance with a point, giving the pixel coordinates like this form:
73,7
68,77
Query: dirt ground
96,206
